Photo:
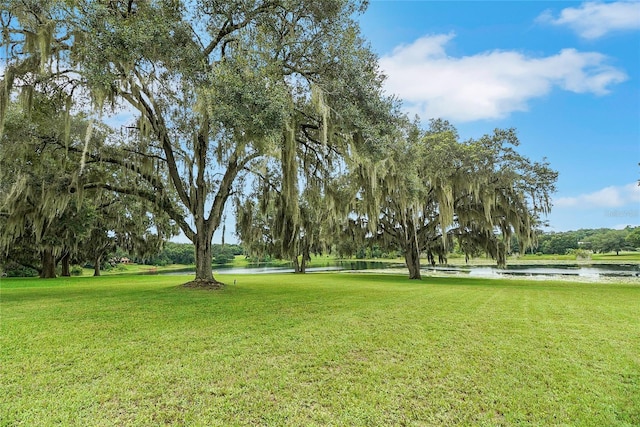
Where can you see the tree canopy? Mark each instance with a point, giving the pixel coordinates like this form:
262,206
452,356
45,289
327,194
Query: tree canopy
50,211
435,188
216,88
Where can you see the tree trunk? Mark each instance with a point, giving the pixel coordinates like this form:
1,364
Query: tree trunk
305,256
303,265
66,264
299,264
204,272
96,265
412,258
48,264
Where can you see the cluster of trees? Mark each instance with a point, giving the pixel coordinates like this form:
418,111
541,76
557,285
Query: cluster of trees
600,240
184,253
276,105
429,192
48,218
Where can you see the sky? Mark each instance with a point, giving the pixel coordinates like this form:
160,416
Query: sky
565,75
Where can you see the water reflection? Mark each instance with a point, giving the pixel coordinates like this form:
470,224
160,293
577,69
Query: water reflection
591,271
587,271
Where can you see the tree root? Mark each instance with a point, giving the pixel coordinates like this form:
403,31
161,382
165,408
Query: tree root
205,284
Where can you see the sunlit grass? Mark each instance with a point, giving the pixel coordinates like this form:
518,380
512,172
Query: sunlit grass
612,257
133,268
322,349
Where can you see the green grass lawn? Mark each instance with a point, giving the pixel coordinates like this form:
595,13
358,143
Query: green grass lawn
612,257
319,349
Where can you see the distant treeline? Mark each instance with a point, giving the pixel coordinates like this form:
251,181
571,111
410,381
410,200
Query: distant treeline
599,240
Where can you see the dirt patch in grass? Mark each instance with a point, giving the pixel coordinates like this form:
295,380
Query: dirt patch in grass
212,285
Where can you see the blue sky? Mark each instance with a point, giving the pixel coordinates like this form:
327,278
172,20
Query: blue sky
566,75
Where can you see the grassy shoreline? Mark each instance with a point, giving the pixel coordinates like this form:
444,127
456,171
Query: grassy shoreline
455,260
321,349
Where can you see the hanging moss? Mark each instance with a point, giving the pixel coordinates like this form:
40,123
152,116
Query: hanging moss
45,39
446,206
87,139
318,101
5,94
66,117
290,174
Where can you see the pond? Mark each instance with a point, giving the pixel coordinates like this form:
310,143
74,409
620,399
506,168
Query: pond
342,265
590,271
582,270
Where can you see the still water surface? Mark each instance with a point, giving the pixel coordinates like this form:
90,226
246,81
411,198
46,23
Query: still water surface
592,271
595,270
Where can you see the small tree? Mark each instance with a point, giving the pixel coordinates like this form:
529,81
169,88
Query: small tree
264,228
633,238
611,240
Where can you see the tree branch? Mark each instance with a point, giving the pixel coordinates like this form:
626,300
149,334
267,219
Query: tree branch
233,167
229,27
152,112
161,201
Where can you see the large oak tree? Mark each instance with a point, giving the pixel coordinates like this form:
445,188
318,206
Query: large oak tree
434,188
214,85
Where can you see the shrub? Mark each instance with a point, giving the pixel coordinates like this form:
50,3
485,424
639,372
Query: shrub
13,269
580,254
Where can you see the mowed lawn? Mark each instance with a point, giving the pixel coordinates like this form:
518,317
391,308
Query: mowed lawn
319,349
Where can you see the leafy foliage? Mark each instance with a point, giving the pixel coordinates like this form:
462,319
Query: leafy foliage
435,188
596,240
52,210
216,86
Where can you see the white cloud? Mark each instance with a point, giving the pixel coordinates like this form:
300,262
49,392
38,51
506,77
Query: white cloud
608,197
592,20
488,85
